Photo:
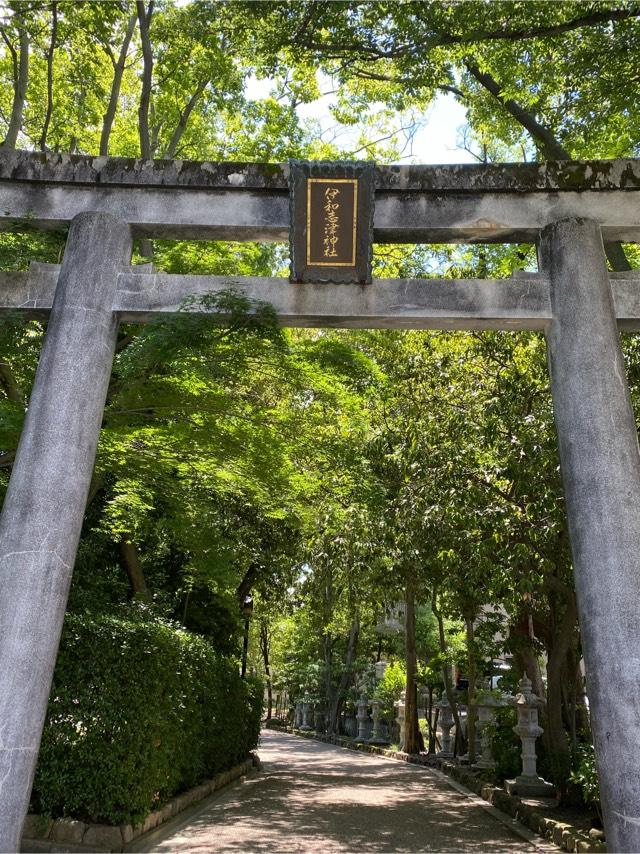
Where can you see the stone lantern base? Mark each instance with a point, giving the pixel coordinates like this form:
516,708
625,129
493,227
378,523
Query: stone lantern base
379,740
526,786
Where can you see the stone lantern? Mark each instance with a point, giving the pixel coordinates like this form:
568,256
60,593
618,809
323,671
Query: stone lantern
528,784
319,718
306,710
399,706
380,667
392,621
363,718
446,722
377,736
486,704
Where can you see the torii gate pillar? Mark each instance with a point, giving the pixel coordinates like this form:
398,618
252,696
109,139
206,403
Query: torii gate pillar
600,462
45,503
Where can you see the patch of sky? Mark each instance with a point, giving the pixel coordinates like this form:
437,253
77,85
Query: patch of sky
433,137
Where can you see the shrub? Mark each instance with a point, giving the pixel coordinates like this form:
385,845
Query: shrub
585,776
390,687
506,745
138,711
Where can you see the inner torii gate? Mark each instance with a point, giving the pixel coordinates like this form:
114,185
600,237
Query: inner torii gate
567,208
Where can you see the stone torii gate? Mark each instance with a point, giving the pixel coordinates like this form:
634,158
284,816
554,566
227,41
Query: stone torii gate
567,208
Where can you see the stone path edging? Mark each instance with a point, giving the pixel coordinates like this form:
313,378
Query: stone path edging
46,834
565,836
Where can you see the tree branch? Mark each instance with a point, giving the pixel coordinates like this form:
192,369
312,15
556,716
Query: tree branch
50,52
180,128
550,146
144,19
592,19
118,71
20,87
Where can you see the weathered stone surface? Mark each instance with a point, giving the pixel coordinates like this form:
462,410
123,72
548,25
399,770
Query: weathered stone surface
468,203
202,791
559,832
588,845
623,173
126,831
600,463
180,803
569,839
103,836
68,830
521,303
46,498
37,826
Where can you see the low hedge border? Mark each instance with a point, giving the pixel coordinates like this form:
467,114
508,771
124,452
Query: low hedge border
42,833
566,836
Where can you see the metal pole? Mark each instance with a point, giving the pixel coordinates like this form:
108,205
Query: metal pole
600,462
45,502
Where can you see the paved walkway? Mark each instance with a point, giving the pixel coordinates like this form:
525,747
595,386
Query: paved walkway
313,797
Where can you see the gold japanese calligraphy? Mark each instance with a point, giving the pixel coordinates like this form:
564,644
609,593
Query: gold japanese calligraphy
332,207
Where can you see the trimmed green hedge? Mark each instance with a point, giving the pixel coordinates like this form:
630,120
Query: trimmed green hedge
138,712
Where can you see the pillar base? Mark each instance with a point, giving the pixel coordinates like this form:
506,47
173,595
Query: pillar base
530,787
305,728
381,742
485,765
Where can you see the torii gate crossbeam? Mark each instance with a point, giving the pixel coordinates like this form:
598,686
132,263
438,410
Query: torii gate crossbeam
568,208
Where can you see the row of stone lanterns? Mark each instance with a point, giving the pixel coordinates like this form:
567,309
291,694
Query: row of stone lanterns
526,703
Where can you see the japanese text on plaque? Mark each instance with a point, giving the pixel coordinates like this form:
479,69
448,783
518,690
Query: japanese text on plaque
331,222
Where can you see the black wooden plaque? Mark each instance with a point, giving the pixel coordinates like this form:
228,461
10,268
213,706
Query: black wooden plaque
331,231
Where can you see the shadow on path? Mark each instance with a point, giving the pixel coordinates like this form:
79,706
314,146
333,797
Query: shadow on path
314,797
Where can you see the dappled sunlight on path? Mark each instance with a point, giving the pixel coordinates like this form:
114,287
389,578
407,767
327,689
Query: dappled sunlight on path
319,798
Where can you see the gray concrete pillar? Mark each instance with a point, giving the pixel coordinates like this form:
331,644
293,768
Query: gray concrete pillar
600,462
45,503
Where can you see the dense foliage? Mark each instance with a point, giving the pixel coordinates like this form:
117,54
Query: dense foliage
138,711
328,474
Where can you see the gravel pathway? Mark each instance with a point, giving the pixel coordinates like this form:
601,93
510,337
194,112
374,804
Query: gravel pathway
314,797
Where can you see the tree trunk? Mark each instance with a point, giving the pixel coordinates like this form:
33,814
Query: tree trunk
264,646
557,739
118,71
550,146
244,588
20,82
531,666
170,150
144,20
131,564
431,723
446,673
412,737
522,627
345,678
471,692
245,648
10,384
327,603
50,52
